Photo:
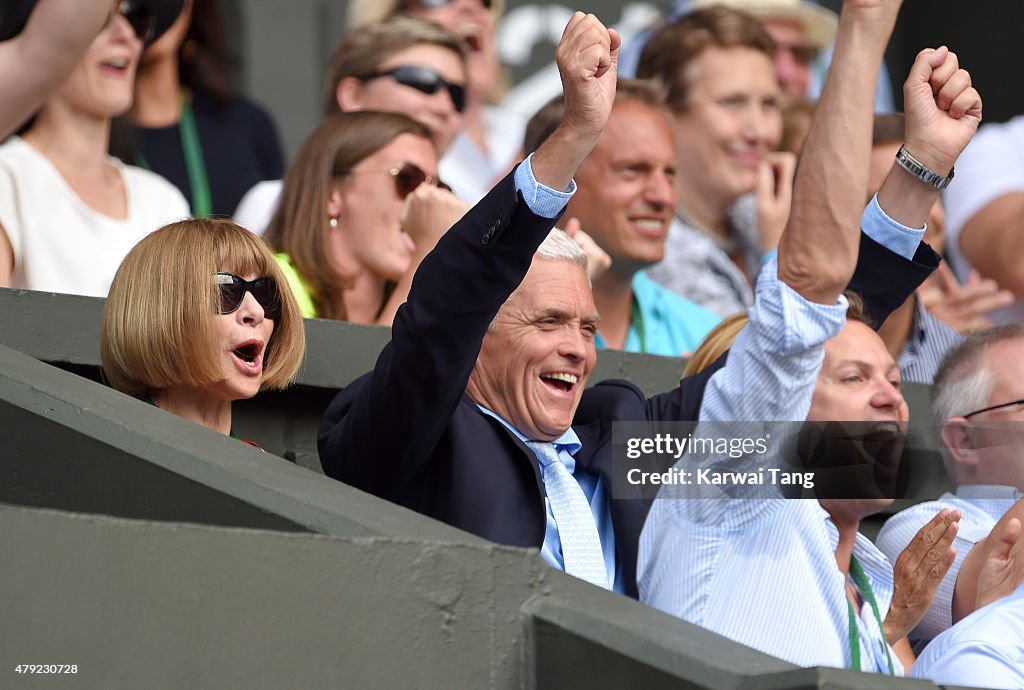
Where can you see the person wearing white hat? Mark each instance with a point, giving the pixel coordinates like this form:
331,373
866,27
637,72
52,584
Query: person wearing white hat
800,29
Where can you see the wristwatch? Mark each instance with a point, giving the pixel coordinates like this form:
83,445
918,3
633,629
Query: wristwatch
917,169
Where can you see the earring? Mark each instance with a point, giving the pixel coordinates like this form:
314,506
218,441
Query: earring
333,222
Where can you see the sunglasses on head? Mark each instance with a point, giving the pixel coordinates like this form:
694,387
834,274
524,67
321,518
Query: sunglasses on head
263,290
425,80
137,15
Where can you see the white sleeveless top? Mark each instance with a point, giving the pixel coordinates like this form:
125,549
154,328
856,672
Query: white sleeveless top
62,245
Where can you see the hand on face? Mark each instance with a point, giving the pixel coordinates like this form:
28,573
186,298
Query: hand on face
429,213
943,110
598,260
774,197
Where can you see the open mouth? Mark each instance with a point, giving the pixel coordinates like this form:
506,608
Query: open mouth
119,65
561,381
471,35
649,226
248,356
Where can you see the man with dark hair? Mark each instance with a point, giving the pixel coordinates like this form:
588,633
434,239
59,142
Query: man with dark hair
625,202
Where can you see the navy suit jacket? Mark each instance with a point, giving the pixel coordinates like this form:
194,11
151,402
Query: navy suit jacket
408,433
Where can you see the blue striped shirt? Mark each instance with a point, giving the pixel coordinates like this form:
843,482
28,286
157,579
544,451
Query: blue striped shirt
986,649
763,571
981,506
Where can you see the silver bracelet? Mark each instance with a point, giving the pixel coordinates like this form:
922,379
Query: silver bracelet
917,169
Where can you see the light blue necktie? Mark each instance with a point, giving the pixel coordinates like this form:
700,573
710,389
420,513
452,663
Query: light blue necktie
577,531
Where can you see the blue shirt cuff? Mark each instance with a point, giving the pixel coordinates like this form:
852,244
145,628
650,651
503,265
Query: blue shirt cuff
542,200
897,238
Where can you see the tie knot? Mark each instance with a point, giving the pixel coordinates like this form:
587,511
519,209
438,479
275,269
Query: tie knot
545,451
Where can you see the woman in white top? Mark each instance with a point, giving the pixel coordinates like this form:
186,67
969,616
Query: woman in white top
68,212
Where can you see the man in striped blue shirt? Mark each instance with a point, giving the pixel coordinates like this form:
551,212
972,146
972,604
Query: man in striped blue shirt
794,578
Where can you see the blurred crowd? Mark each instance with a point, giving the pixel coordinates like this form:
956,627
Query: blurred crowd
729,187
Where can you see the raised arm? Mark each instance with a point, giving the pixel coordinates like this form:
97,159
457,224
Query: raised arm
399,413
943,113
818,250
42,56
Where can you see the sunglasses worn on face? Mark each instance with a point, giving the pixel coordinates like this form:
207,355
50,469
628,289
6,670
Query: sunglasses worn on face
263,289
407,177
802,54
425,80
437,4
143,23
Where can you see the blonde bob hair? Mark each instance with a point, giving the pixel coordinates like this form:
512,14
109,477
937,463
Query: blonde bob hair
157,331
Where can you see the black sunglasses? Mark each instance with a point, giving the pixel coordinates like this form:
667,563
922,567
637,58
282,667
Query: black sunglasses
137,14
425,80
233,289
803,54
436,4
407,177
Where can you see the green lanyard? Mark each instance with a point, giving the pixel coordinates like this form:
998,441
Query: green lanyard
636,318
860,579
202,204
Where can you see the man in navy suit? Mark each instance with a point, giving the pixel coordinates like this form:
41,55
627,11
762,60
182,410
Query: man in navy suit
475,413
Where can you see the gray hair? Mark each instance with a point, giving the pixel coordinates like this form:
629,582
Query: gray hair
558,246
963,383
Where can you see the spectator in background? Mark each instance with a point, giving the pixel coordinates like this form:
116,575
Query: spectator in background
359,210
186,125
488,145
68,212
985,204
801,30
796,121
199,316
402,65
975,405
625,202
715,68
37,56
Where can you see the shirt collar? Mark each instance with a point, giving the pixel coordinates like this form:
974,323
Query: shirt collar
971,491
568,441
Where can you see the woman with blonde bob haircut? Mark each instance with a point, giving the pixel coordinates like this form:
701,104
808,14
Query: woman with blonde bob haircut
355,217
199,315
